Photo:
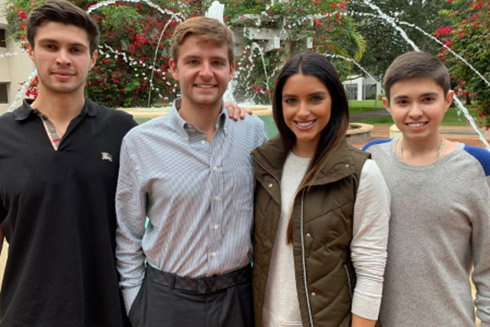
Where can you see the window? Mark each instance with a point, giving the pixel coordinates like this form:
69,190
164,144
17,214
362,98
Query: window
3,41
4,93
351,90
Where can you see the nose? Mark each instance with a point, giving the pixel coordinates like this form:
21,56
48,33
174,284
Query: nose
415,111
63,58
303,110
205,71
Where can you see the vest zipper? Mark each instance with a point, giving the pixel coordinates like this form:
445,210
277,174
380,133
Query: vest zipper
348,280
303,257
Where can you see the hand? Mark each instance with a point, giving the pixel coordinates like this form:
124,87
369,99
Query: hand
235,111
358,321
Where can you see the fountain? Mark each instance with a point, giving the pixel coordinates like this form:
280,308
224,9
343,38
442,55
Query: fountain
273,42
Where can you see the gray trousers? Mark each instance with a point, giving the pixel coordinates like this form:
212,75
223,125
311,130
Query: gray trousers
165,300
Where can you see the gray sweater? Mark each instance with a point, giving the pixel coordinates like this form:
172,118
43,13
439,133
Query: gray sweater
439,231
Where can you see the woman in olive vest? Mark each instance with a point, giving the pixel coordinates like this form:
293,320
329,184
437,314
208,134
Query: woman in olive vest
321,209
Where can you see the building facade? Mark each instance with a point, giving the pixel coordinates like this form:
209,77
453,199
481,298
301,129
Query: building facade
15,65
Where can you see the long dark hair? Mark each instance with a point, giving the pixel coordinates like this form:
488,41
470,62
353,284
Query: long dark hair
313,64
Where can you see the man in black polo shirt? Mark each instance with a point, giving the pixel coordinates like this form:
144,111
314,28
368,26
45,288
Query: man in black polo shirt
59,160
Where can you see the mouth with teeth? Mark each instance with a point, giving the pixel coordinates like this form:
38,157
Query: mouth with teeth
416,125
205,86
304,125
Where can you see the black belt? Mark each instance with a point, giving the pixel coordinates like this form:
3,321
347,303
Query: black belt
204,285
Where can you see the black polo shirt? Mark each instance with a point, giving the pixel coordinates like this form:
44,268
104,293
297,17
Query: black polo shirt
57,212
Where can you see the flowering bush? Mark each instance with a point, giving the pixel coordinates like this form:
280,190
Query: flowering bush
132,67
469,37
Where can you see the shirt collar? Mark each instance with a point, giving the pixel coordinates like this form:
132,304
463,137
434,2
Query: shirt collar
177,120
25,110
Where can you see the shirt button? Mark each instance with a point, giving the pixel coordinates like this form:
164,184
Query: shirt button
52,130
270,185
215,168
186,138
215,227
308,235
213,254
203,142
313,294
347,166
189,125
224,128
216,198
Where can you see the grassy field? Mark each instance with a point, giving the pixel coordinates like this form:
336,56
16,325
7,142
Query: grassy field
450,119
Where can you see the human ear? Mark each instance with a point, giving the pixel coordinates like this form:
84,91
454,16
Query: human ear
30,51
386,103
232,71
448,100
173,69
93,59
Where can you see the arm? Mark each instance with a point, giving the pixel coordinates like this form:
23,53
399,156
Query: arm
358,321
369,242
235,111
481,255
1,239
131,217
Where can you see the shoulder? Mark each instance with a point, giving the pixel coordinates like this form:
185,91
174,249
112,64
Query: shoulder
275,144
373,143
110,113
7,118
481,155
252,128
159,126
359,154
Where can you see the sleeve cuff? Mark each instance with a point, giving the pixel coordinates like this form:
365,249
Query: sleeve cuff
366,306
129,295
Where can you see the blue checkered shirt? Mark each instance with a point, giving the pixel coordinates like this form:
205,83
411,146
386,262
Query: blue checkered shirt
197,196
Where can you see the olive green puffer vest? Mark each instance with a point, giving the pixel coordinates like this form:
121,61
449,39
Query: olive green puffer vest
322,232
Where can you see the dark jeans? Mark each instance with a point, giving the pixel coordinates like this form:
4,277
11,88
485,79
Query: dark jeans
168,301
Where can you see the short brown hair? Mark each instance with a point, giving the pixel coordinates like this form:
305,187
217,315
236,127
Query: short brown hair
207,29
64,12
416,65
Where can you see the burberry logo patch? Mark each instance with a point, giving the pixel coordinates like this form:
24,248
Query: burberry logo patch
106,156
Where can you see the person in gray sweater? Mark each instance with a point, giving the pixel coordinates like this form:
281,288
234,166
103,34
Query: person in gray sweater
440,211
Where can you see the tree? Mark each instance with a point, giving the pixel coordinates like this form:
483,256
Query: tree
132,67
469,37
322,26
384,39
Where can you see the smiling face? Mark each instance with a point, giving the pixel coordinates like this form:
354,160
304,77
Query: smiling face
203,71
62,57
417,106
307,106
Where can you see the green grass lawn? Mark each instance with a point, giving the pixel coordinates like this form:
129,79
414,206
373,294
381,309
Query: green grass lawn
450,119
356,107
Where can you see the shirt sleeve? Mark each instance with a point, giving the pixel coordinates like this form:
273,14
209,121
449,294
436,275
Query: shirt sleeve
370,239
481,256
131,218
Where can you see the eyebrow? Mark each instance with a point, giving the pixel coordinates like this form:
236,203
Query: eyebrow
421,95
310,94
188,57
73,44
